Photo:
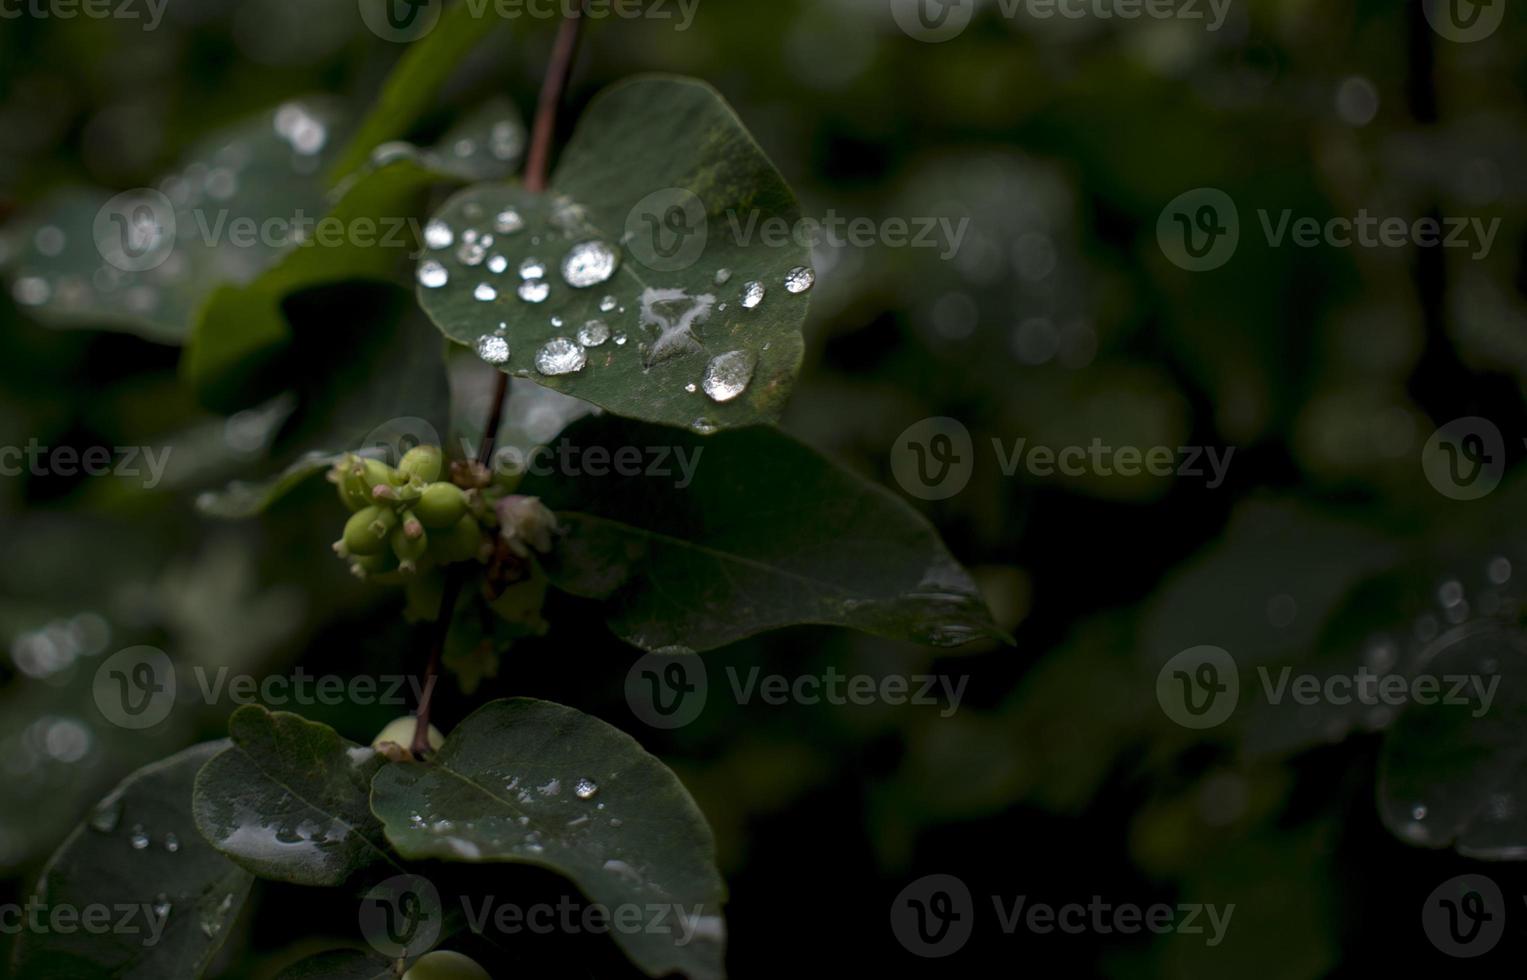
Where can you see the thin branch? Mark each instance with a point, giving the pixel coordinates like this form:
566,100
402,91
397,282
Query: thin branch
557,72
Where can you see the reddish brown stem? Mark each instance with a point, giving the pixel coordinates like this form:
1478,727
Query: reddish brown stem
557,72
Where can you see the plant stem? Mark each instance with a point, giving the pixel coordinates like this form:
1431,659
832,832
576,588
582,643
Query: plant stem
555,83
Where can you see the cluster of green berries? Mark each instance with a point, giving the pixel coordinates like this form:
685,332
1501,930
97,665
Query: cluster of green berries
405,519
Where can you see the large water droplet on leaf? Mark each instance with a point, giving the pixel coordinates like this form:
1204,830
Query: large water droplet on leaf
560,356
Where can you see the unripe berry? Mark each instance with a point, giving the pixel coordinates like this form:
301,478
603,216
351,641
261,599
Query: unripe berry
409,547
441,505
423,462
443,964
377,473
461,542
370,566
366,531
400,731
347,478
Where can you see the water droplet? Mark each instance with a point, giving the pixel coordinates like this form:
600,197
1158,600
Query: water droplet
752,294
800,279
473,249
607,304
212,918
620,340
138,838
723,276
432,274
728,374
497,264
484,293
703,425
532,268
508,221
534,290
493,349
556,321
691,387
171,843
438,234
585,788
593,333
1418,812
162,906
104,817
588,264
560,356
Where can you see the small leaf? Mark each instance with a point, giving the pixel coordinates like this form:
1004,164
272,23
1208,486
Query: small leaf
289,800
340,964
532,782
663,212
138,850
709,540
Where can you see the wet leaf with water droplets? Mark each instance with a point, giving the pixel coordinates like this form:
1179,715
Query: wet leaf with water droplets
100,867
750,531
495,792
288,800
603,244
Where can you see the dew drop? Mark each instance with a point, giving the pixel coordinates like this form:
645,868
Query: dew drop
493,349
534,290
162,906
104,818
620,340
532,268
138,838
585,788
438,234
171,843
432,274
497,264
473,250
593,333
752,294
723,276
484,293
1418,812
607,304
560,356
508,221
703,425
691,388
588,264
728,374
800,279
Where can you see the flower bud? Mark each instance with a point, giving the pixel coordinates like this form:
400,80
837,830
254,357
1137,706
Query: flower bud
422,462
441,505
526,524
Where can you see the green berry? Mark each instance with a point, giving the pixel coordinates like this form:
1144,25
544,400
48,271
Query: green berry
460,542
400,731
409,543
441,505
367,529
371,566
423,462
443,964
353,492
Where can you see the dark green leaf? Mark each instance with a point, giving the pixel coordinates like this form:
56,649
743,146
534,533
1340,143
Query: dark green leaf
340,964
531,782
140,850
662,175
744,532
289,800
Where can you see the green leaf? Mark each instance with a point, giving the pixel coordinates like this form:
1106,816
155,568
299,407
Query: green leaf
289,800
531,782
653,163
715,539
415,82
239,328
340,964
196,228
139,849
